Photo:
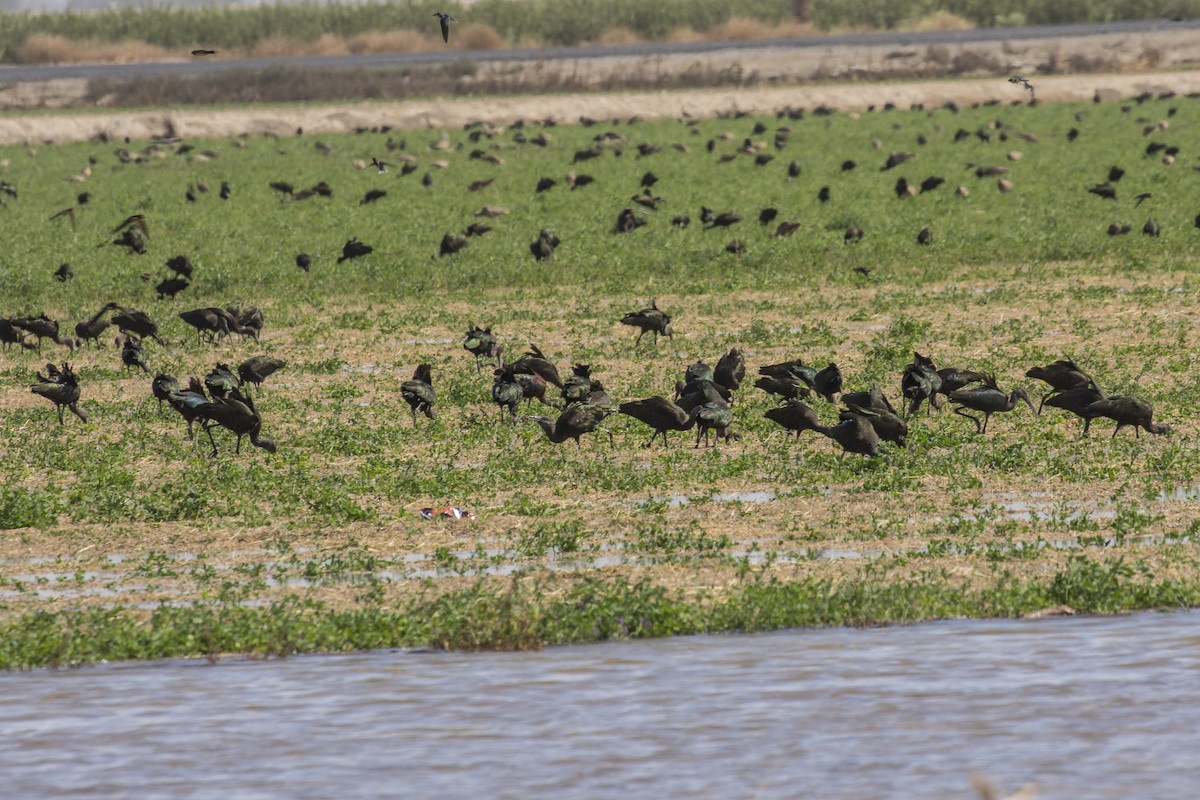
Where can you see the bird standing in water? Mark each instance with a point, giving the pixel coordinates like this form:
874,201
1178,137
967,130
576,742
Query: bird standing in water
445,19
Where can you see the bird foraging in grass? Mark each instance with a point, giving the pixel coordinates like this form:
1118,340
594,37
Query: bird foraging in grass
445,19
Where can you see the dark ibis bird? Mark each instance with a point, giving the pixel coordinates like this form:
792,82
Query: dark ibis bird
855,434
236,413
91,329
650,320
989,399
658,413
353,248
1126,409
534,362
221,381
1060,375
138,323
920,382
1078,401
574,421
578,386
889,427
544,245
171,287
42,327
481,343
795,416
419,394
61,387
715,418
187,402
451,244
507,392
444,21
730,370
162,388
257,369
132,354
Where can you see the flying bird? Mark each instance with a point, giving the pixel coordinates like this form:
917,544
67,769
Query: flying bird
204,52
445,20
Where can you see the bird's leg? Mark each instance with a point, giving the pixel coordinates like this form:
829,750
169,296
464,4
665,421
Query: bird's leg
971,417
208,430
58,408
238,449
986,417
636,341
1045,397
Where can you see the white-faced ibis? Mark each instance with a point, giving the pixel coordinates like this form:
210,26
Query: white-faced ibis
43,327
1060,375
250,321
257,369
132,354
481,343
544,245
188,402
855,434
920,382
507,392
138,323
650,320
162,387
723,220
1126,409
795,416
574,421
221,381
212,321
628,221
578,385
952,379
787,388
730,370
534,362
180,265
660,414
353,248
10,335
171,287
237,414
888,426
713,417
451,244
1078,401
872,398
90,330
419,393
61,387
989,399
827,382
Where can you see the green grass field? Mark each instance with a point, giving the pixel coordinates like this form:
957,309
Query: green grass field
109,520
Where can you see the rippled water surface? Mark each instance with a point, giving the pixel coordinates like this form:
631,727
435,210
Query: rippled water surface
1083,707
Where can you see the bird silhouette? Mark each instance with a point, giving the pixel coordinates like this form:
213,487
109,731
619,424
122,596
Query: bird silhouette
257,369
138,323
419,394
61,387
482,343
236,413
730,370
444,19
989,399
507,392
649,320
132,354
202,52
1128,410
712,418
794,415
43,327
534,362
543,247
171,287
304,261
1060,376
90,329
855,434
1078,401
660,414
573,422
353,248
451,244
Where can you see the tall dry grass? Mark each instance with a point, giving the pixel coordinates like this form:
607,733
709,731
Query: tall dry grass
47,48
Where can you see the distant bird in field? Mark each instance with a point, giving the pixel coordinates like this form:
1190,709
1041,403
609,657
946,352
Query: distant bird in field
445,19
543,247
204,52
419,393
481,343
660,414
650,320
304,261
132,354
1126,409
451,244
353,248
61,387
372,196
64,273
257,369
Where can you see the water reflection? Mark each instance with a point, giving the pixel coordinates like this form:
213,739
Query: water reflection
1083,706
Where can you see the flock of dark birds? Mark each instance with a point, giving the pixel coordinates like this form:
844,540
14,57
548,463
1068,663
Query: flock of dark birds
702,400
